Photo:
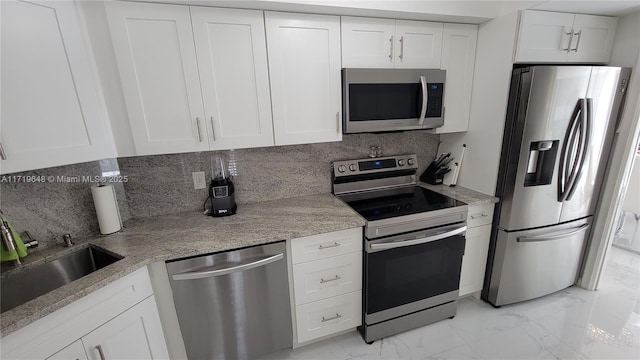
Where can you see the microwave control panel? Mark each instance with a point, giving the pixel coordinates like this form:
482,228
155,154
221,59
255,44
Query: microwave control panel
435,92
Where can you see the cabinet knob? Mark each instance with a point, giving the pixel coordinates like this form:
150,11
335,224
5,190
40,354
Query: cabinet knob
391,48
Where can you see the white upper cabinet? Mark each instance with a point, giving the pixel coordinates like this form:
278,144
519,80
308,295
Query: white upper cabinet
232,61
593,39
384,43
367,43
418,44
304,70
52,108
458,59
157,62
560,37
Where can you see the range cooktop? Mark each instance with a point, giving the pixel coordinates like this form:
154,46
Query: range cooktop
406,200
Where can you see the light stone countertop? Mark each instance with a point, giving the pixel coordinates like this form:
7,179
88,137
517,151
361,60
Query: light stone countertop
147,240
167,237
468,196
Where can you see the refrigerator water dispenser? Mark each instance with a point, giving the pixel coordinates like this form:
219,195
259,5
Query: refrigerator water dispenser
542,161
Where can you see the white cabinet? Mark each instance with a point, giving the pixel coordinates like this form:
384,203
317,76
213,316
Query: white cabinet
52,109
304,71
134,334
194,78
74,351
560,37
156,59
384,43
121,317
476,248
326,283
458,59
232,62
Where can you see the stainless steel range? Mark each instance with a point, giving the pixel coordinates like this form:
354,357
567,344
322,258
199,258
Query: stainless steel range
414,243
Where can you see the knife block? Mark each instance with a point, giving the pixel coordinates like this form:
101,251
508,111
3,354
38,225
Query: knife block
429,175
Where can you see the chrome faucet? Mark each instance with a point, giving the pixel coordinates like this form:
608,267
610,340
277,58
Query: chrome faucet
67,240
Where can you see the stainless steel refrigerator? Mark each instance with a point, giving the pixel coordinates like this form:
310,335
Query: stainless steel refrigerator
559,128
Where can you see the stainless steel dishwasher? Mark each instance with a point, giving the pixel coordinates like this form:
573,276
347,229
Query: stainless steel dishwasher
233,305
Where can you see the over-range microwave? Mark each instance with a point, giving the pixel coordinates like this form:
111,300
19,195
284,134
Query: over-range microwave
379,100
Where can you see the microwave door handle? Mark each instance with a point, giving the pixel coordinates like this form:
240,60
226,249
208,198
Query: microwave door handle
425,98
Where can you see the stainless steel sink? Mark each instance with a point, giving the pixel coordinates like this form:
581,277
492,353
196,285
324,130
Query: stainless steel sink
27,285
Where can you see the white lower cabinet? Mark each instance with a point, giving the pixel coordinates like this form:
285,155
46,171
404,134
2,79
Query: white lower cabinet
326,272
120,320
134,334
321,318
476,248
74,351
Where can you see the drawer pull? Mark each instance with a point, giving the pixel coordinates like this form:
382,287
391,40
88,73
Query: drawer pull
100,352
335,244
322,281
338,316
477,216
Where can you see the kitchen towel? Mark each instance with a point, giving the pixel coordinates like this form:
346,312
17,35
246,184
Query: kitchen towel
104,199
20,251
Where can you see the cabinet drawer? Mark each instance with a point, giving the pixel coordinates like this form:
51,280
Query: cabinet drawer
320,279
480,215
329,316
326,245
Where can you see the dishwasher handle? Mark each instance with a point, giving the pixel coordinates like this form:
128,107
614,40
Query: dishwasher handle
219,272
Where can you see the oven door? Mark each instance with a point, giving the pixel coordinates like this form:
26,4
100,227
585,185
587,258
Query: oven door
392,99
412,272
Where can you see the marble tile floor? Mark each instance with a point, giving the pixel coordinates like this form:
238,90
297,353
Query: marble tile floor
570,324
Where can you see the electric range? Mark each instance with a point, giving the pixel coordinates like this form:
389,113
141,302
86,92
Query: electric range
414,243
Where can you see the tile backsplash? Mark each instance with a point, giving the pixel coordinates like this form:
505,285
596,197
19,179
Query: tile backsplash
163,184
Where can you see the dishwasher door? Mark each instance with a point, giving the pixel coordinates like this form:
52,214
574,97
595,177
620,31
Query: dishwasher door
233,305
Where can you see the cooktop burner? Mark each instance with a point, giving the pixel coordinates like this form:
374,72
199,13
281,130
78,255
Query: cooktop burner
383,204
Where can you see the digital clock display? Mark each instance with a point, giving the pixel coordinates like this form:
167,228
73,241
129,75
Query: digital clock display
377,164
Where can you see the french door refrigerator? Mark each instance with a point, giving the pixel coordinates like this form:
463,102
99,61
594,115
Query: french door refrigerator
559,128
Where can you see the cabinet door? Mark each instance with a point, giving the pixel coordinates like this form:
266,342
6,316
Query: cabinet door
475,259
458,59
418,45
232,62
52,109
134,334
592,39
543,36
304,70
157,62
74,351
367,43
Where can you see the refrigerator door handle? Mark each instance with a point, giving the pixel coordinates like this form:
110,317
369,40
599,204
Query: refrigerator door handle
552,237
566,168
585,139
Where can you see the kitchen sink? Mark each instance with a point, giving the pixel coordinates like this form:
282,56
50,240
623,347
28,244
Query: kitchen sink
17,289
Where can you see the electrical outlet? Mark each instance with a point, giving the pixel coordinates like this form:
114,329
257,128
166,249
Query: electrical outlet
198,180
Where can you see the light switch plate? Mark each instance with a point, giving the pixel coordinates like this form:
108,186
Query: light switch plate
199,181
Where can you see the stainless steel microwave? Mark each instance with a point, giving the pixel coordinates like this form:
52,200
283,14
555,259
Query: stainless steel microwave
378,100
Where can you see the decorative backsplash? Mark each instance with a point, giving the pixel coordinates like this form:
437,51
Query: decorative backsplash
163,184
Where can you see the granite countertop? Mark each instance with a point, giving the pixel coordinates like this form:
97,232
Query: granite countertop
147,240
167,237
460,193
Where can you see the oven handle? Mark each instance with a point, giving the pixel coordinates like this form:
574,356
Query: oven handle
397,244
425,98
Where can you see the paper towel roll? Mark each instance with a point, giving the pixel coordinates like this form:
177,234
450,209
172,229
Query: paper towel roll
104,199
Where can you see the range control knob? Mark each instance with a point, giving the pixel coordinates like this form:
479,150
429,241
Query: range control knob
410,162
342,168
400,162
352,167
